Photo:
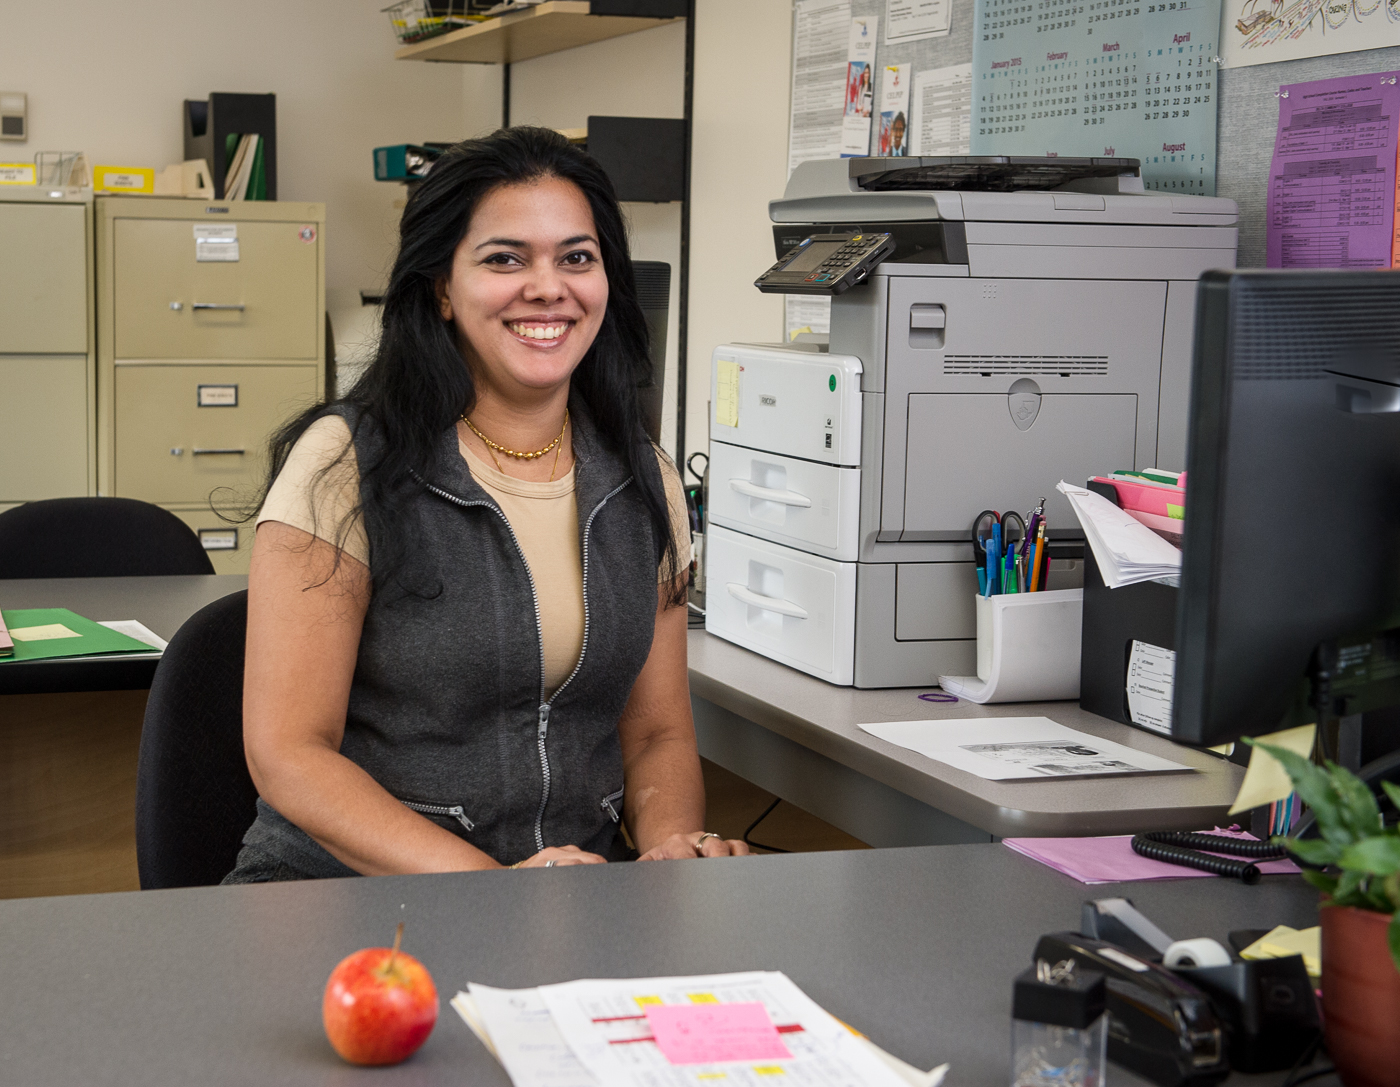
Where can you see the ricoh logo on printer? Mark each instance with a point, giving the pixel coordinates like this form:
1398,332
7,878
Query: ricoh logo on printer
768,401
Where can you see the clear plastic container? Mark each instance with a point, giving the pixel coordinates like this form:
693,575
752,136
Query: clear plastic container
1043,1055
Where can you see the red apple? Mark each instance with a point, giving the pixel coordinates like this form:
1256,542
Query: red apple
380,1005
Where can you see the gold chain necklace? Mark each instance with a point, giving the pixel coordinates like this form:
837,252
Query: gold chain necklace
493,448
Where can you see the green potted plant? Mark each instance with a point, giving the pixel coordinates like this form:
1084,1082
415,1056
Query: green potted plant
1355,863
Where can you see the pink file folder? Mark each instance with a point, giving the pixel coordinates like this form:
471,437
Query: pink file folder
1112,860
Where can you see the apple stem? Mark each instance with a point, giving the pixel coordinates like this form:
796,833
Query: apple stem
398,937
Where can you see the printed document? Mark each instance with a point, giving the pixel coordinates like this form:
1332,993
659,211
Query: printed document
1126,550
1019,748
821,32
1332,181
860,88
943,111
913,20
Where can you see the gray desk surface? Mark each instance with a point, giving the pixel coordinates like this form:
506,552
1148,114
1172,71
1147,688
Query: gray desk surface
222,985
161,603
823,718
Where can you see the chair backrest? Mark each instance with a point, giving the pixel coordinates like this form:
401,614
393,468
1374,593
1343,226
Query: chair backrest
97,537
194,797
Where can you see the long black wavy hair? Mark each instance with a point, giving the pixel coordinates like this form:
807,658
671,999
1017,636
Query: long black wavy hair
419,384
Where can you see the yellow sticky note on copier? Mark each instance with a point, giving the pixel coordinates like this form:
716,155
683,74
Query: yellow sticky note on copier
1266,780
726,392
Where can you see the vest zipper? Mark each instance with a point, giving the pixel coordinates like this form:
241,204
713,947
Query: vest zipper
454,811
542,729
608,805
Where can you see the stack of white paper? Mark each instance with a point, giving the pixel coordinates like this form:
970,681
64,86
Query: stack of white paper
588,1033
1126,550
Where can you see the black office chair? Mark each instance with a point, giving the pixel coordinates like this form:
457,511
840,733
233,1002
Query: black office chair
97,537
194,797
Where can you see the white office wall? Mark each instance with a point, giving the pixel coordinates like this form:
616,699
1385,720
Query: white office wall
743,56
108,78
637,75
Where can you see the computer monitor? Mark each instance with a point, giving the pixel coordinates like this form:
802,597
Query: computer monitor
1289,606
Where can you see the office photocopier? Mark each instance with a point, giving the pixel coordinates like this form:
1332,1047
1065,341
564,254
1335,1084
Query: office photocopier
1033,323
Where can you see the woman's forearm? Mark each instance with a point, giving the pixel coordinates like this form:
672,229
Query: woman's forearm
665,791
354,818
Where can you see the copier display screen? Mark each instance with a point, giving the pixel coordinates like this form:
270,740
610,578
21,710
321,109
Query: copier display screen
812,256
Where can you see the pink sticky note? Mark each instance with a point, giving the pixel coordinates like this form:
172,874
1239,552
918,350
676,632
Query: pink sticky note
709,1033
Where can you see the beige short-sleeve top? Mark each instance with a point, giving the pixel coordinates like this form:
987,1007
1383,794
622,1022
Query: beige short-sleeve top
543,516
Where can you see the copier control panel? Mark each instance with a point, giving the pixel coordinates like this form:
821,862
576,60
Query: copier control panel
826,264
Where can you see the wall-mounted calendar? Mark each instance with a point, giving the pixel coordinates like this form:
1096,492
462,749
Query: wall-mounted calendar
1116,78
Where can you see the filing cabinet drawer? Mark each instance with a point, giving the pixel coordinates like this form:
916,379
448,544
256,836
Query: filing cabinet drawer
184,431
168,304
229,546
815,507
43,279
44,449
795,608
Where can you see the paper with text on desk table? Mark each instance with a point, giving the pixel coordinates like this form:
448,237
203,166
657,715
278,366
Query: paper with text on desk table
1019,748
605,1024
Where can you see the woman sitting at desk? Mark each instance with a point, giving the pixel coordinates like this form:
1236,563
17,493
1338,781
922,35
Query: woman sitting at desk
466,610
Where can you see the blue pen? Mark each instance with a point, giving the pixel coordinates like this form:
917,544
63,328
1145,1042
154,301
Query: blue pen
1010,571
994,562
981,581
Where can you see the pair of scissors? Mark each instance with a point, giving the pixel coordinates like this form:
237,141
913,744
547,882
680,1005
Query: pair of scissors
1002,532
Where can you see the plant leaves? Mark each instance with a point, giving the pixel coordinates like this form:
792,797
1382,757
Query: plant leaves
1379,856
1392,891
1393,791
1348,892
1346,809
1310,850
1321,880
1359,807
1393,938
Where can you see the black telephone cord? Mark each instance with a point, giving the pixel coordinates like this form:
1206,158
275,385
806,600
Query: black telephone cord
1244,871
1218,843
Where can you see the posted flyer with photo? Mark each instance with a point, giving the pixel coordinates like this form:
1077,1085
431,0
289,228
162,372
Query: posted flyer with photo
893,136
860,88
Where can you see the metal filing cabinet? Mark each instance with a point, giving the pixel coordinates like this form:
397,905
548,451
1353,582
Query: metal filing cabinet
47,364
210,335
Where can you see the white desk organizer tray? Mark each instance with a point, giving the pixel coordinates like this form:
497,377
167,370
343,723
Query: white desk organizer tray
1027,648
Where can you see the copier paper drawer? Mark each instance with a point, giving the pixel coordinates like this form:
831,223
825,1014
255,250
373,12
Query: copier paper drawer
815,507
799,403
796,608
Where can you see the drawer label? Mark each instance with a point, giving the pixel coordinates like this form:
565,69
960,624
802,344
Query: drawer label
218,539
215,243
16,173
218,396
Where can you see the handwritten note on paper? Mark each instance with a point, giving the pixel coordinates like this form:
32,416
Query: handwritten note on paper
710,1033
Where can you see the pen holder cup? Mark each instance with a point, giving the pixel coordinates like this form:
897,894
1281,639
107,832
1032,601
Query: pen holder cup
1027,648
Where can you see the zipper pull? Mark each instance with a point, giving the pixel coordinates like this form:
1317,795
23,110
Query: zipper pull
457,813
544,718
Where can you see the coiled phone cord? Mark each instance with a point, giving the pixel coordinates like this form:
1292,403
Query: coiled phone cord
1218,843
1150,846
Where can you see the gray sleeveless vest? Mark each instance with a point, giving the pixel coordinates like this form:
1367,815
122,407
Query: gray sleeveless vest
447,707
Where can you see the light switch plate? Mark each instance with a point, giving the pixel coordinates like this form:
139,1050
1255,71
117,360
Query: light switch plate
14,115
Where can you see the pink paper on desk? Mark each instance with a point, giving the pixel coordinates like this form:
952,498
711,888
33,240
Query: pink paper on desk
709,1033
1112,860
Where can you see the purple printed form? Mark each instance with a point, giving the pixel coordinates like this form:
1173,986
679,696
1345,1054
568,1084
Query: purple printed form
1332,182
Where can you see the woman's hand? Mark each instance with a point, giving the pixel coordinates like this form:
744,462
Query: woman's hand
679,847
560,856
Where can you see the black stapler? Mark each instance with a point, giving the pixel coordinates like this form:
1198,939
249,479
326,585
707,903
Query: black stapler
1159,1025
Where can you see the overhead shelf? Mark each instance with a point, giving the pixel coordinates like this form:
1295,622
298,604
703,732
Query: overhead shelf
546,28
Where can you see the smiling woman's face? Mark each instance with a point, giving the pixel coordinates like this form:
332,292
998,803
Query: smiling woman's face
527,292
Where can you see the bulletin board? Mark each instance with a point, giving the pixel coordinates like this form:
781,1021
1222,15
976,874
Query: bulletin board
1248,108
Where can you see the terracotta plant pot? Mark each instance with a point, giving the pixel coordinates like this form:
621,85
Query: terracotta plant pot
1360,997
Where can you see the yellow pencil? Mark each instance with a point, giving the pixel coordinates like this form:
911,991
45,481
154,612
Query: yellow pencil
1039,547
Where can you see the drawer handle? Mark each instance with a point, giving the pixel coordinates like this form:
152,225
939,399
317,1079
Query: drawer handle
753,490
767,603
217,305
198,452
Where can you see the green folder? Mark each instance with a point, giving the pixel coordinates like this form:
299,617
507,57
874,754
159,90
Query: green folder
91,638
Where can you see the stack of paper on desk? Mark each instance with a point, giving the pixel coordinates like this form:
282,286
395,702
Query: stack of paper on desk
744,1029
1126,550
